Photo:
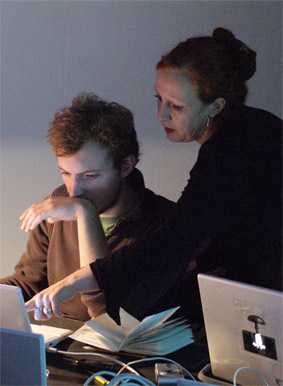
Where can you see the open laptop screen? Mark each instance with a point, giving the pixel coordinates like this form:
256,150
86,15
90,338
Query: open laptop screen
13,315
244,329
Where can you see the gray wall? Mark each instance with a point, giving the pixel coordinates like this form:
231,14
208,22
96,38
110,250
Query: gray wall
52,50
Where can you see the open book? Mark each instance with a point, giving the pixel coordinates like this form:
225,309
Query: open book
153,336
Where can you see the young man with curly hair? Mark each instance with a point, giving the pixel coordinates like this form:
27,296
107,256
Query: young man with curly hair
97,150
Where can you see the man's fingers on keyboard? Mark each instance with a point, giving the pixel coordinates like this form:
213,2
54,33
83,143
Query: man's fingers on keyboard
39,314
48,312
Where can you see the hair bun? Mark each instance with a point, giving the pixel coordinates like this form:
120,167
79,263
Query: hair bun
223,36
246,56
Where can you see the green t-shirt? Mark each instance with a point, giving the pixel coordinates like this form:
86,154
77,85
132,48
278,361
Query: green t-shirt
108,223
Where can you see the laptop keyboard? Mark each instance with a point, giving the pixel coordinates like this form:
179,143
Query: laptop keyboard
49,333
46,334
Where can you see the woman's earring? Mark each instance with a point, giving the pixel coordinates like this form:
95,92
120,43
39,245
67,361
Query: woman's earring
209,119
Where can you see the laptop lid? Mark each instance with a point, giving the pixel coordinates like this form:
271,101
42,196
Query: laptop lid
22,358
13,315
244,329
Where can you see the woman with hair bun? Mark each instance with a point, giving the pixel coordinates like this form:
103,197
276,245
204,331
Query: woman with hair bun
228,219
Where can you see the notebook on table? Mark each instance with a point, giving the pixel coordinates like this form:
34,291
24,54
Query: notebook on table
13,315
244,329
23,359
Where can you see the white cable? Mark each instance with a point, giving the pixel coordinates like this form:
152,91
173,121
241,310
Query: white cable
248,368
128,379
104,356
155,359
120,363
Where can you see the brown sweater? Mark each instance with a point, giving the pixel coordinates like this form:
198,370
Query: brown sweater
52,251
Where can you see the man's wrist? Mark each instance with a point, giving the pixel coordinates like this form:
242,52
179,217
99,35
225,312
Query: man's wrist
85,208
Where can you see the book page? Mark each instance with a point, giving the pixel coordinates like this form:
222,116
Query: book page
89,336
162,342
147,323
152,336
115,334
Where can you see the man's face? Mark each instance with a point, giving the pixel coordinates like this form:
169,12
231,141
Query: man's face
90,174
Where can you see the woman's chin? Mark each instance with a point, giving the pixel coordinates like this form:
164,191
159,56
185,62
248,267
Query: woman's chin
176,138
172,138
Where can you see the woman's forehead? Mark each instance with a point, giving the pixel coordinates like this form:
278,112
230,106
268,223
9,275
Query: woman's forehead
174,83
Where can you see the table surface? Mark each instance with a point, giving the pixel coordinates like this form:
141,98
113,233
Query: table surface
74,370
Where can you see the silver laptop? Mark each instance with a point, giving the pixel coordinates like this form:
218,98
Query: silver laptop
23,359
13,315
244,329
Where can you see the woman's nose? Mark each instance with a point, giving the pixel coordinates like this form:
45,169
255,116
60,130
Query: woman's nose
163,112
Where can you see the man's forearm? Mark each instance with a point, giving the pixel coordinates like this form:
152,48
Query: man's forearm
92,241
51,297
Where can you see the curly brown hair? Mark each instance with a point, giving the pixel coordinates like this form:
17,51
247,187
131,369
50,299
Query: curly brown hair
217,65
89,118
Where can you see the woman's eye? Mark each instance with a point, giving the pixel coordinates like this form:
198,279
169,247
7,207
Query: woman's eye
158,97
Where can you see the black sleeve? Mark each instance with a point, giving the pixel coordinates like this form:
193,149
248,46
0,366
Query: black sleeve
145,270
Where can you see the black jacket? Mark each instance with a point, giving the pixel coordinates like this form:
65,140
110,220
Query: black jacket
227,219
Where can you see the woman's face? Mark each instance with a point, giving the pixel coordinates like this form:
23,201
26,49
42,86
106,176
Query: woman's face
182,114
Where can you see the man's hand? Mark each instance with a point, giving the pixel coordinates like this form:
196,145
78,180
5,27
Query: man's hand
52,209
46,304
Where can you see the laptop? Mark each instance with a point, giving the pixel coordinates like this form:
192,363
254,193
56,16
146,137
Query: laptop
23,359
13,315
243,326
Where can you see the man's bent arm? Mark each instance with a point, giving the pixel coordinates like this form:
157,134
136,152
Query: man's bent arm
92,241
